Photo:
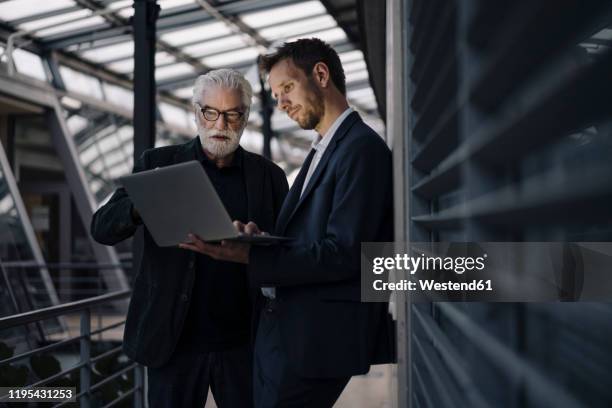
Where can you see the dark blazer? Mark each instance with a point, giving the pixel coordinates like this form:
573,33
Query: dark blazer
164,280
325,329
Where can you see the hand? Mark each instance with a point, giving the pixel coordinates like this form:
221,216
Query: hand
226,251
248,229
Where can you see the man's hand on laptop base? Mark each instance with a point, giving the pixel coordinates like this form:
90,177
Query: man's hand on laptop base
226,250
248,229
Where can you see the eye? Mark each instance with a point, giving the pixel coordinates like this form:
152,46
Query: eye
287,88
233,116
210,114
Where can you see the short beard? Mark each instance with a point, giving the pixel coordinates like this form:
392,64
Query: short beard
216,148
313,116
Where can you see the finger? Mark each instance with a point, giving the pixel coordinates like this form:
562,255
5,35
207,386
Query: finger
252,229
239,226
201,246
194,237
191,247
197,241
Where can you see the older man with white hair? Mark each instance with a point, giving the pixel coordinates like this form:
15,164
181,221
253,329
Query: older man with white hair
191,319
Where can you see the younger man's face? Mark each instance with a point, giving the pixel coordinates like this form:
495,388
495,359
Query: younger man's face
296,94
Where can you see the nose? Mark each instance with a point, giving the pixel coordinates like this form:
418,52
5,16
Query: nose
283,103
220,123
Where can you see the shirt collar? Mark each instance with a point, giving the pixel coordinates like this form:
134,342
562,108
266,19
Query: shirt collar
321,143
203,158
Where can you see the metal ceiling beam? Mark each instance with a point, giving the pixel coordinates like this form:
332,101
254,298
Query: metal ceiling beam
188,79
22,90
184,18
74,61
93,127
119,21
196,56
247,6
164,87
71,60
166,23
92,34
40,93
196,42
235,24
46,14
176,82
110,76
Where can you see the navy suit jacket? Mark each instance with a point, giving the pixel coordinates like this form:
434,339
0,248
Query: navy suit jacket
162,288
325,329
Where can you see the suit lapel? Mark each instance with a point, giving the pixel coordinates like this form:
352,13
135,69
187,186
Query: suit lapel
185,152
294,195
339,135
253,179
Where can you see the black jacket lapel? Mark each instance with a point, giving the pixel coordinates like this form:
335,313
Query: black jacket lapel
253,176
294,195
186,151
339,135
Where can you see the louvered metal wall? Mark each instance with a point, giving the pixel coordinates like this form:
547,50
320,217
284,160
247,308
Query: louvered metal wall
509,138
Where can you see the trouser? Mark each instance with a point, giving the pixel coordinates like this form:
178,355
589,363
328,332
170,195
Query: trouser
276,385
183,381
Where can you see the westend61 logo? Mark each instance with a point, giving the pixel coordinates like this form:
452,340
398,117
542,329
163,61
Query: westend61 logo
404,262
486,271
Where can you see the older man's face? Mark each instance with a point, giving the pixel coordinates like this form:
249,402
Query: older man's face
220,137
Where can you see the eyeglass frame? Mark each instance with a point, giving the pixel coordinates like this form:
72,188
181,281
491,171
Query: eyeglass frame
219,113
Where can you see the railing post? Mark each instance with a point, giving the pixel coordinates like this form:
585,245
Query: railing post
139,386
84,400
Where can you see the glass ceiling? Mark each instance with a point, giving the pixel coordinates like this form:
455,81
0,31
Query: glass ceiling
190,41
211,42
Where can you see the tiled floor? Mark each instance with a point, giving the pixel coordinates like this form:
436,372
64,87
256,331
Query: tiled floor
372,390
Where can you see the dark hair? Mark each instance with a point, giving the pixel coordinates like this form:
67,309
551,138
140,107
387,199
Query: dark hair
305,53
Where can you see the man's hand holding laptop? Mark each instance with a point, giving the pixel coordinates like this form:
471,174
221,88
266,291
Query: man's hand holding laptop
226,250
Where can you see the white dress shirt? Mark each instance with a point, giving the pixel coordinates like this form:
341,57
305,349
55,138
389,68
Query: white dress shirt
320,145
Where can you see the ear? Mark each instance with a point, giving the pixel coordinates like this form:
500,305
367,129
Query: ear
320,73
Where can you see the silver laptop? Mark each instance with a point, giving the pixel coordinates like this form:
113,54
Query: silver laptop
176,200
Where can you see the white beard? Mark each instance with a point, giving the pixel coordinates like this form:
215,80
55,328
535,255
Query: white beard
219,148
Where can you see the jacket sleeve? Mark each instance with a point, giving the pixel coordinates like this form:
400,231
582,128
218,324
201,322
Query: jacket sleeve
113,222
361,201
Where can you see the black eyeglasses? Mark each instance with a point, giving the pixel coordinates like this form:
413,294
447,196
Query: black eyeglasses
212,115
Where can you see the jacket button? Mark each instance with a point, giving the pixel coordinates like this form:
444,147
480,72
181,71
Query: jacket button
184,297
191,264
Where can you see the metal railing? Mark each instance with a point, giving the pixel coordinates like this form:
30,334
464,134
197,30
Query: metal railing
72,280
86,361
